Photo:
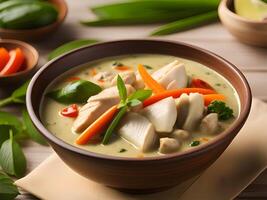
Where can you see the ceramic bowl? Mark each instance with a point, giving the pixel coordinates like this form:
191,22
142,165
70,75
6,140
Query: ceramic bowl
31,61
138,174
38,33
245,30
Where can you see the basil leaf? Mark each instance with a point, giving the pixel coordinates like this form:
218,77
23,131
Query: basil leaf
31,131
75,92
12,159
114,124
8,122
140,95
134,102
8,190
70,46
122,89
18,96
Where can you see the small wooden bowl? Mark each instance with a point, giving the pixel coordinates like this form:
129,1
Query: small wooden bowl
38,33
247,31
31,61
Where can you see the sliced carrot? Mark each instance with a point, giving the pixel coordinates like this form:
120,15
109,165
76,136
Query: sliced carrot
175,94
98,126
149,81
15,62
212,97
4,58
122,68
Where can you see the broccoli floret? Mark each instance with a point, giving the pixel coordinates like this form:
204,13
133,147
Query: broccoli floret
224,112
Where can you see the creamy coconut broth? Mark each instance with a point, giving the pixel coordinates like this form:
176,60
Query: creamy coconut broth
62,126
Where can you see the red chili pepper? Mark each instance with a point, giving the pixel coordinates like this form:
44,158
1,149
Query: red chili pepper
71,111
198,83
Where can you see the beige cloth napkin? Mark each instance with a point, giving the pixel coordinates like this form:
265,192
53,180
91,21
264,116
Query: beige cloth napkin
237,167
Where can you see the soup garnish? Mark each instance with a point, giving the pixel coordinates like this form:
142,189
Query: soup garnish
148,111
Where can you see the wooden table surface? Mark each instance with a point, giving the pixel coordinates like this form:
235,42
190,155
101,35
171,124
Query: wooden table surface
251,60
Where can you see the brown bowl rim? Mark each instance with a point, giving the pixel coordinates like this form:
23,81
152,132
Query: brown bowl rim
224,3
179,155
30,48
61,17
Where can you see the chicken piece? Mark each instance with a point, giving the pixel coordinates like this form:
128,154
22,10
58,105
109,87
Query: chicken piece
180,135
127,77
89,113
110,94
96,106
138,131
138,84
162,114
104,78
168,145
182,106
209,124
195,113
172,76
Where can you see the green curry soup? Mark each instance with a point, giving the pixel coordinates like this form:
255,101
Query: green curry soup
119,145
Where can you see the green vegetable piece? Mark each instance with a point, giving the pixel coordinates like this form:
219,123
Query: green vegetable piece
8,122
31,131
122,150
75,92
28,15
8,191
11,3
125,9
148,67
69,47
117,64
136,98
224,112
195,143
186,23
140,95
114,124
12,159
122,89
18,96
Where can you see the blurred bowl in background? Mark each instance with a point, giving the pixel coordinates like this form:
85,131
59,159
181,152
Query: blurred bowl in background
31,61
38,33
247,31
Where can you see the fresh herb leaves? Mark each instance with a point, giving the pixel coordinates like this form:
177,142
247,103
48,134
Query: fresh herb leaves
12,159
8,190
75,92
18,96
148,67
195,143
117,64
31,131
122,150
135,99
224,112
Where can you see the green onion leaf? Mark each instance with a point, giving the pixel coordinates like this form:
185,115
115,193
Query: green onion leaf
114,124
186,23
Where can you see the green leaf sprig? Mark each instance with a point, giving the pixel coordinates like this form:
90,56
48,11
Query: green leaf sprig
8,191
75,92
224,112
126,101
18,96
